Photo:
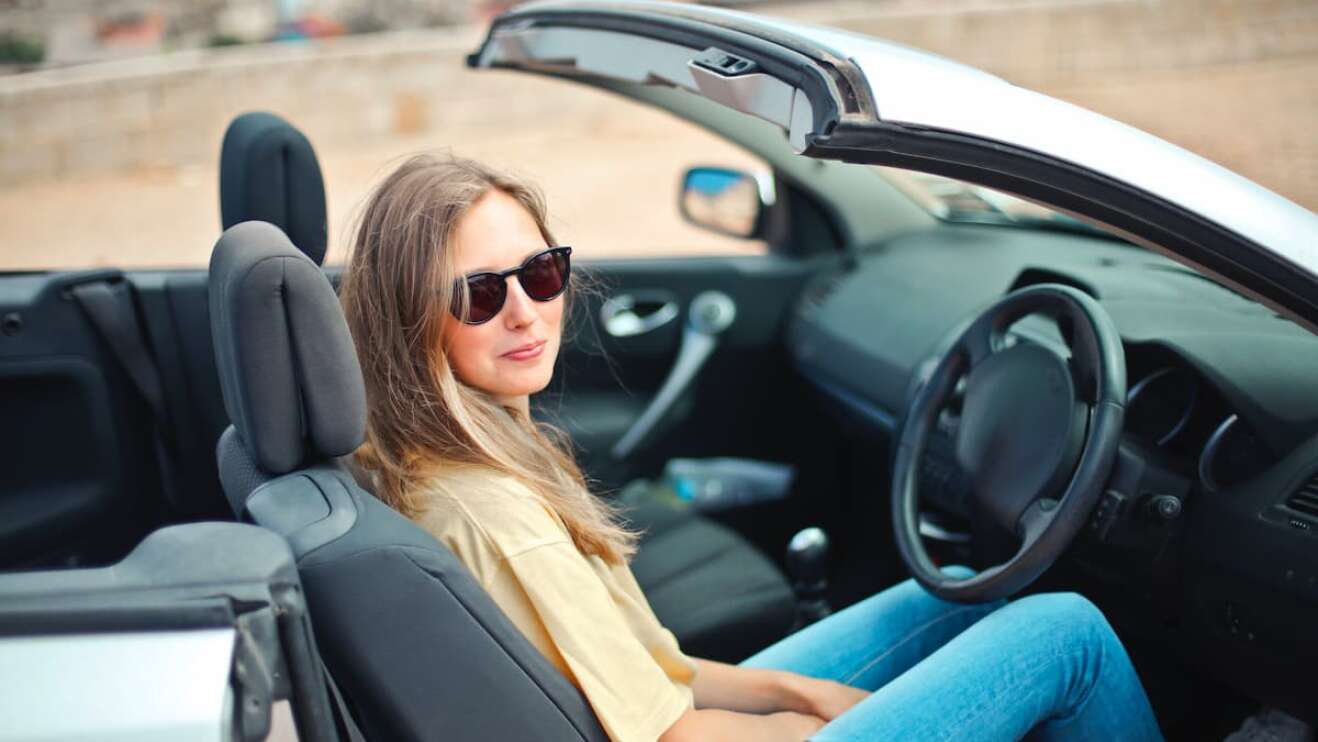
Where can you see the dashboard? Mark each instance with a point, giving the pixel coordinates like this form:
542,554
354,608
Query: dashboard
1212,510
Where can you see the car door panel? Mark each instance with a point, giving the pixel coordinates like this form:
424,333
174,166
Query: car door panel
79,483
604,382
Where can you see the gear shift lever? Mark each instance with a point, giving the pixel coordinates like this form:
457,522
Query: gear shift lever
807,563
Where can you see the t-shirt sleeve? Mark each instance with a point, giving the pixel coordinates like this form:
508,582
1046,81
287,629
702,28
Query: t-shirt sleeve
628,690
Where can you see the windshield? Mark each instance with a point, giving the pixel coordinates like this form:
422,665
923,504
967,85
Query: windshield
957,201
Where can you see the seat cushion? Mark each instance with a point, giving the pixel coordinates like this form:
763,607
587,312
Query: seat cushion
721,597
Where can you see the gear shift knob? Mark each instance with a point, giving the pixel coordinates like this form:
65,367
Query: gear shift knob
807,556
807,563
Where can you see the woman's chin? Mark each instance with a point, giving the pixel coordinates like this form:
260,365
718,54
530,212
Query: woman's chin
524,383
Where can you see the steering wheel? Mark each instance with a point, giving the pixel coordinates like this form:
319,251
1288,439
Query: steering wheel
1032,424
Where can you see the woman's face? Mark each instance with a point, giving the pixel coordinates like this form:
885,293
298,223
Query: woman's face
498,233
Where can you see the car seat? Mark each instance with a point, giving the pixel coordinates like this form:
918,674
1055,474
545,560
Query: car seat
719,595
418,648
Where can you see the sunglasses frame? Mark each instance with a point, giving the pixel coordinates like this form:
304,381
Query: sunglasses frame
456,307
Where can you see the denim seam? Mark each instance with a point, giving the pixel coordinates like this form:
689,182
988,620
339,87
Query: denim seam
882,654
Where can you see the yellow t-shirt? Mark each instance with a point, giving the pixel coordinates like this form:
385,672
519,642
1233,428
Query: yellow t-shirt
587,617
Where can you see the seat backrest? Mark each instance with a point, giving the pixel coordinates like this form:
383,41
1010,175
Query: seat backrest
418,647
269,172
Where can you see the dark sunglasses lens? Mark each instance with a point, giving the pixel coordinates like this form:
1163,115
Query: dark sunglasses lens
487,295
545,275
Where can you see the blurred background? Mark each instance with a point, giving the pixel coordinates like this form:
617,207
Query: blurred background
112,111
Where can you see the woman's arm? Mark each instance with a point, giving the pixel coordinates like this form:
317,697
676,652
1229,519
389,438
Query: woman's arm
718,685
736,703
760,691
717,725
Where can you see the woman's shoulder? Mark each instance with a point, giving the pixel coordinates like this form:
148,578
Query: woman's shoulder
473,487
481,502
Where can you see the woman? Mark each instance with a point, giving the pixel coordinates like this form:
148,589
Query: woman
455,293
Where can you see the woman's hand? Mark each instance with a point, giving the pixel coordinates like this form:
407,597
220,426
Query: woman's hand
822,698
757,691
704,725
796,726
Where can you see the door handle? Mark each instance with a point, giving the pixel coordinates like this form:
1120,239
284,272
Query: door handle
628,315
710,313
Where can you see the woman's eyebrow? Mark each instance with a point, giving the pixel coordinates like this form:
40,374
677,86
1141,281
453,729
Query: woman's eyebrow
520,263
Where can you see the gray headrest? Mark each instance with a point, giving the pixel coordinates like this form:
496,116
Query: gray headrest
269,172
287,365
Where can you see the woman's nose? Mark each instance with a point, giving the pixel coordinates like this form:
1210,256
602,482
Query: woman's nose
520,309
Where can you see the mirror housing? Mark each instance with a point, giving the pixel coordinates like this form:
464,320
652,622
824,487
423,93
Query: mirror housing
726,201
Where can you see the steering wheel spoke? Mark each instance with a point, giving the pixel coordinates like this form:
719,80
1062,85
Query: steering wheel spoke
977,342
1035,520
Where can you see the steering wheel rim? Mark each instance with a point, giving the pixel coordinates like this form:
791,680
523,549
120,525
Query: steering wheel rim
1001,459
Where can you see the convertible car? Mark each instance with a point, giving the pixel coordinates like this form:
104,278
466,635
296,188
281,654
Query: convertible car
990,328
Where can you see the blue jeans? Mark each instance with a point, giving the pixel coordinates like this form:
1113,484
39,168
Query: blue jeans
1045,666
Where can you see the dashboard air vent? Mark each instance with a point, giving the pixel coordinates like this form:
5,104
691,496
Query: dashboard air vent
1305,499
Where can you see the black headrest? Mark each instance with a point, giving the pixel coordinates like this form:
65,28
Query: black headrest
287,365
269,173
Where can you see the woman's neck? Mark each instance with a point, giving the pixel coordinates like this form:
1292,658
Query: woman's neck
521,404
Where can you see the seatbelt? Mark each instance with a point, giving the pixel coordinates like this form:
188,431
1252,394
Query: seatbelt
346,723
113,315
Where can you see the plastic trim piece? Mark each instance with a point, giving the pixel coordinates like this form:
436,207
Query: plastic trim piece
761,96
309,507
1214,443
629,58
1184,419
810,93
620,320
710,314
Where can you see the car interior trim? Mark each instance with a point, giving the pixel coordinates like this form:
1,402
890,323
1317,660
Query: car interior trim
1165,227
805,72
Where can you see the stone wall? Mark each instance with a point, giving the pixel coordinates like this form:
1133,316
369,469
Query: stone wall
170,111
1234,80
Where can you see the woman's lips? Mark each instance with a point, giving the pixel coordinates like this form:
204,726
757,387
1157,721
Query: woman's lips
526,352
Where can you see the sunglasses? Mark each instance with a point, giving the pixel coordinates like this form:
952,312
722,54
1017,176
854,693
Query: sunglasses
543,277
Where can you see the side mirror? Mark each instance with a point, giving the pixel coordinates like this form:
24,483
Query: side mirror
726,201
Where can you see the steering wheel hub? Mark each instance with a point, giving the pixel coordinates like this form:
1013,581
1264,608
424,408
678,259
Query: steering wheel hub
1021,430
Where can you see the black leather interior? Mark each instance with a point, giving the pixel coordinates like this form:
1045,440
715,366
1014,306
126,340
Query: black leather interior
718,594
287,365
418,647
269,172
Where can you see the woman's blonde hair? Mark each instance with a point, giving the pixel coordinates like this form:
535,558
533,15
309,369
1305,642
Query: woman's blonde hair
396,293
